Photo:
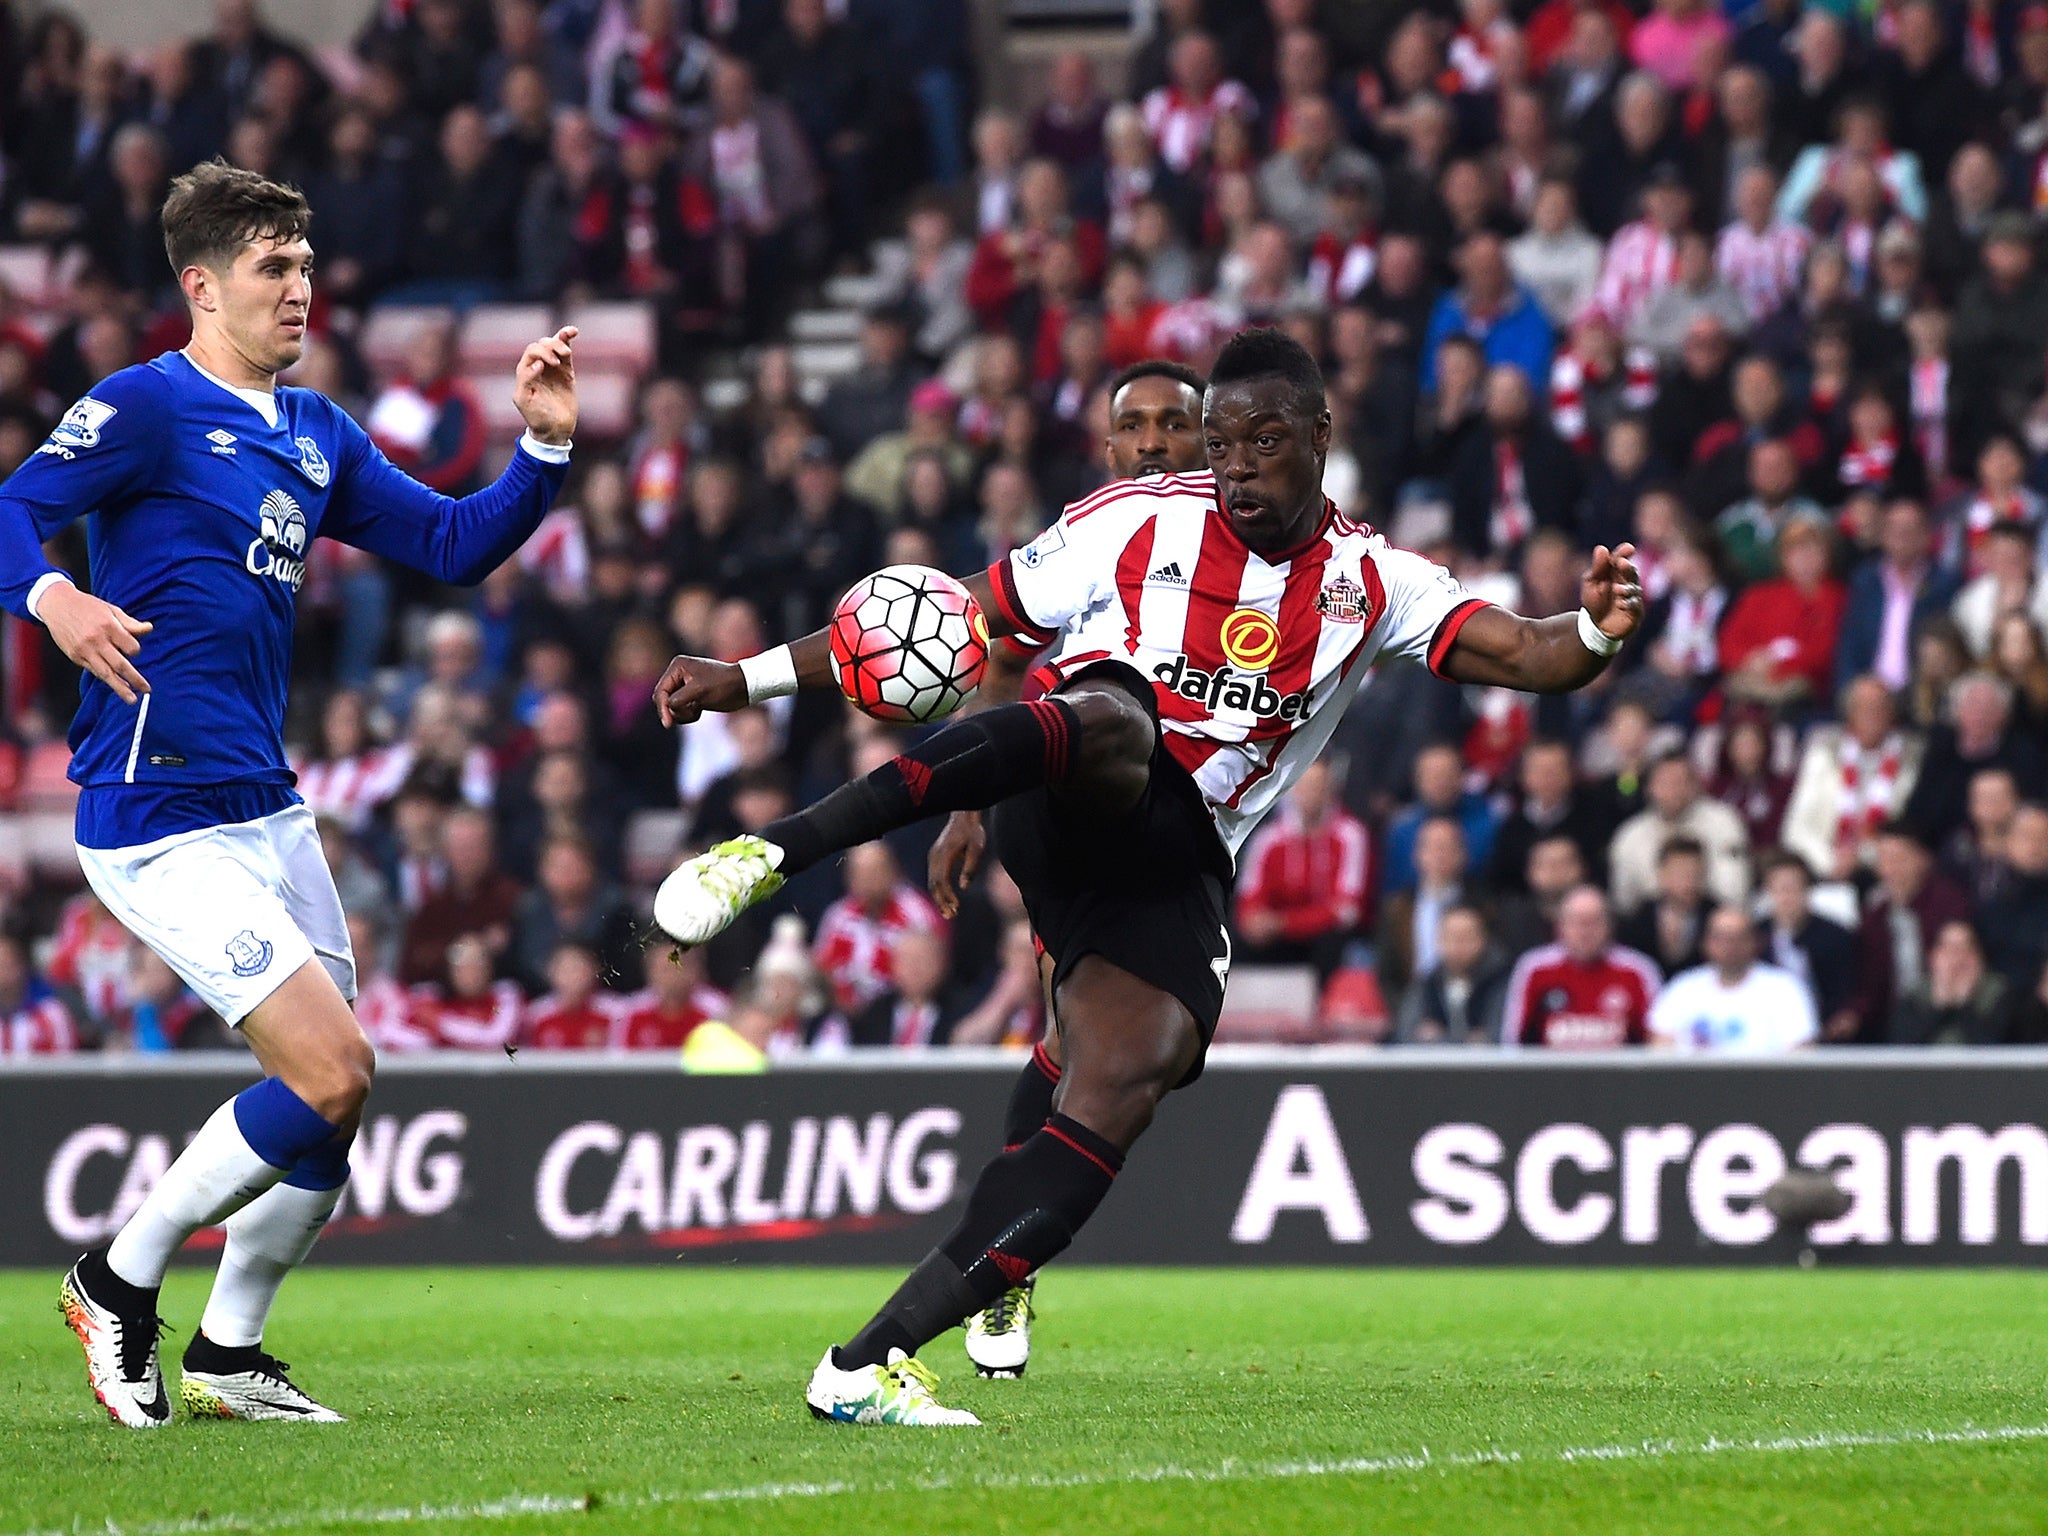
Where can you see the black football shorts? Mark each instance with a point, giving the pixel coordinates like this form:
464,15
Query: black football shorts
1147,890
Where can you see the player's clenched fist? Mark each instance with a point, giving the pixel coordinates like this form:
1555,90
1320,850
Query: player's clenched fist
693,684
1613,591
97,636
544,387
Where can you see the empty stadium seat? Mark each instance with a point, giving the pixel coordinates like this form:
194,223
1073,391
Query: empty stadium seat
604,404
494,335
1268,1004
614,336
390,330
493,391
36,277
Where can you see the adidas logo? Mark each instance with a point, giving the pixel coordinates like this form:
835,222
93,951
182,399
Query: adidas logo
1168,575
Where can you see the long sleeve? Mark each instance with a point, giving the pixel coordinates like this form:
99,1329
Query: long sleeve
380,508
104,450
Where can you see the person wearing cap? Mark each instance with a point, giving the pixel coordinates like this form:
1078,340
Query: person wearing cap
2001,318
876,475
1642,259
872,399
1298,180
823,542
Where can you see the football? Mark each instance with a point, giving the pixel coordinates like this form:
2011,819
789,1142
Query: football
909,644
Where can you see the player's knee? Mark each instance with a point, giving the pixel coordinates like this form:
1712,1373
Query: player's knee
1116,737
339,1084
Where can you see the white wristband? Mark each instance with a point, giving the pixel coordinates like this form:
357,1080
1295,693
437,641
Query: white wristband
770,675
43,584
1593,638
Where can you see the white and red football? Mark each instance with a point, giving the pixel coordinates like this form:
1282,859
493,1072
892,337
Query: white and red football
909,644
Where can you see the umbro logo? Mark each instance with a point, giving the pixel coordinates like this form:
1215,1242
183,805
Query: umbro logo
223,441
1168,575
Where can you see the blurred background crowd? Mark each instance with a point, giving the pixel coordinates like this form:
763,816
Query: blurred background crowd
1757,288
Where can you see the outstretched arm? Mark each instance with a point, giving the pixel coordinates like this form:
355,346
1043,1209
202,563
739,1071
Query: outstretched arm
379,507
694,684
1551,655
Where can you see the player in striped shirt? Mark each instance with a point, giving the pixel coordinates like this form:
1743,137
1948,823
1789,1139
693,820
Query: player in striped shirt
1210,628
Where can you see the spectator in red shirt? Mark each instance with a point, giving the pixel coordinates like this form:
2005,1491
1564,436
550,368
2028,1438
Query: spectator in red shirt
33,1020
570,1016
1778,645
1304,881
857,936
1585,992
479,898
677,999
474,1011
429,421
1006,260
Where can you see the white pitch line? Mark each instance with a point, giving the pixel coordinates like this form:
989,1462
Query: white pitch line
517,1506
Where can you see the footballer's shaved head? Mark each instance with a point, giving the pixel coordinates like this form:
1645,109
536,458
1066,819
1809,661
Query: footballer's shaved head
215,209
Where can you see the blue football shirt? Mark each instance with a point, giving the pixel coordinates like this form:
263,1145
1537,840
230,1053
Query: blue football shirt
201,515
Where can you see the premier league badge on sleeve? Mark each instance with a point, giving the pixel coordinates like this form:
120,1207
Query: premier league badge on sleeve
80,427
312,462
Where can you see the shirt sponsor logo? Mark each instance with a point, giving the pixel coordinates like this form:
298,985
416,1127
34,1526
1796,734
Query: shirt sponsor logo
311,462
279,549
1342,601
1251,640
249,955
80,427
1226,689
223,441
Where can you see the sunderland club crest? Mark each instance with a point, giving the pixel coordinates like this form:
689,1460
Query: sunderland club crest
1342,601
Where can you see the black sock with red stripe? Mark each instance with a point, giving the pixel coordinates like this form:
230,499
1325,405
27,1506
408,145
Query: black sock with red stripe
1031,1100
968,766
1023,1211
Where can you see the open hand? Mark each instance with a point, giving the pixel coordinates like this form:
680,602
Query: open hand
544,387
96,636
954,859
1613,591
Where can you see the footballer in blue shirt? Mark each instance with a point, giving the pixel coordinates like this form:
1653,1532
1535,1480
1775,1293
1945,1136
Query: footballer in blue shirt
205,482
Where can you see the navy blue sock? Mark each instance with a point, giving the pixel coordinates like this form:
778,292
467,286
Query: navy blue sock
326,1166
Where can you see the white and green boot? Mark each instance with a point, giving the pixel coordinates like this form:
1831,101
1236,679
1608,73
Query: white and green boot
900,1392
699,899
999,1339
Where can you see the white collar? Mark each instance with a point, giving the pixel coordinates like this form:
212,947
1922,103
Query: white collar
262,401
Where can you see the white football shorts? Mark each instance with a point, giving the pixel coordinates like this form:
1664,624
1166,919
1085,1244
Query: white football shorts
234,910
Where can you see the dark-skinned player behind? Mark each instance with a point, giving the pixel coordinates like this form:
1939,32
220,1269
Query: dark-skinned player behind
1212,628
1155,428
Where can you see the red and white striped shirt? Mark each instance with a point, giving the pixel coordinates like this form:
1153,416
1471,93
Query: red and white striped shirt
486,1022
1642,261
1568,1004
554,1025
1764,266
856,948
1570,377
350,788
40,1026
1181,124
1253,659
1314,879
392,1017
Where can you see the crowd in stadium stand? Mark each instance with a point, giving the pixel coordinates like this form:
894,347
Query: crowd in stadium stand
1760,292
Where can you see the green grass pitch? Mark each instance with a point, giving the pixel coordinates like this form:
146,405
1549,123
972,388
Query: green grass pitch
631,1400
